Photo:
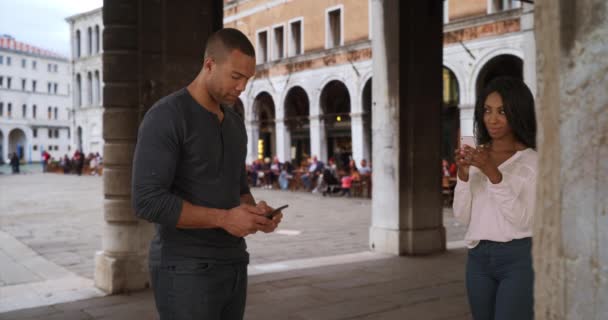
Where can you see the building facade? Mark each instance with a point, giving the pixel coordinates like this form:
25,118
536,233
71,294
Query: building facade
35,101
311,95
86,30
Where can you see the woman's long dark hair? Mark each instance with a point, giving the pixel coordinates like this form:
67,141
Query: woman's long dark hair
518,104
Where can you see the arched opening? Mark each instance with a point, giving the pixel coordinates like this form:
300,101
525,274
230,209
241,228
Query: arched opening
502,65
17,143
79,138
239,108
2,158
367,117
97,39
78,90
264,111
97,88
89,88
450,115
335,106
77,44
89,41
297,122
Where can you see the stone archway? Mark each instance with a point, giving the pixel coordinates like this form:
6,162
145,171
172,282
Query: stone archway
450,115
297,121
336,107
17,143
265,115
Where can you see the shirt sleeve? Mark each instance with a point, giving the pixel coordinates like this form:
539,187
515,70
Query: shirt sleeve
510,199
154,166
462,201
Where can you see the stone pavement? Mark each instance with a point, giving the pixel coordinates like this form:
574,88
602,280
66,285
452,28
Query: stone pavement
383,288
51,226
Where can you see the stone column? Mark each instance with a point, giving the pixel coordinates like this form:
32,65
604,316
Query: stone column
121,264
406,202
283,141
467,115
144,59
318,140
360,149
253,134
571,220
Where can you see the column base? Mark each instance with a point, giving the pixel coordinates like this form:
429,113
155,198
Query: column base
407,242
114,274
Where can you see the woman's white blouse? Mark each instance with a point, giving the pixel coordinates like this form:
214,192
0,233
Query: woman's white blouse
499,212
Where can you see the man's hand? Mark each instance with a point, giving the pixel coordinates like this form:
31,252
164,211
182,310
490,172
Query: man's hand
274,223
245,220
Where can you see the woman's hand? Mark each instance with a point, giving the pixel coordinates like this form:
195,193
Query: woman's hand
463,158
480,158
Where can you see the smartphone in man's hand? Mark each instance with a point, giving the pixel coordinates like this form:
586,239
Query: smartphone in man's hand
276,211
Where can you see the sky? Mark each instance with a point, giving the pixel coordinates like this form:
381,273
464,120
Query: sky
41,23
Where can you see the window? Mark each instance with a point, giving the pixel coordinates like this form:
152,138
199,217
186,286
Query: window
55,68
23,63
23,84
8,82
33,65
78,93
295,38
69,148
55,113
56,135
35,147
1,81
23,111
9,111
77,44
50,133
49,112
278,43
34,110
334,28
97,39
262,47
48,67
48,87
35,132
56,148
97,88
1,59
8,61
90,88
1,109
55,88
495,6
89,41
33,85
69,137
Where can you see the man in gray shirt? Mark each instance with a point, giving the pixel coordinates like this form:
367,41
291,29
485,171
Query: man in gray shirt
189,179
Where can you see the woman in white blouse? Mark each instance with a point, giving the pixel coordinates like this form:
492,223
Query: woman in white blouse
495,197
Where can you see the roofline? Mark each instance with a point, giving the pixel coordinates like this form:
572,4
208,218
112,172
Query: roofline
73,18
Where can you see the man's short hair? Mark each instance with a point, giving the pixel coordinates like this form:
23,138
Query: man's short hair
223,41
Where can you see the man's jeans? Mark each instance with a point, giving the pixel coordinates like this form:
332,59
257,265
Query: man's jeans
500,280
193,290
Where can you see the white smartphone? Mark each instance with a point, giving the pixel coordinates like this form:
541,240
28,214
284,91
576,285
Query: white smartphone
468,140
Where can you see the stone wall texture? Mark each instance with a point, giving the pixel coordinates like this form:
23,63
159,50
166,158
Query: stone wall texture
571,260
